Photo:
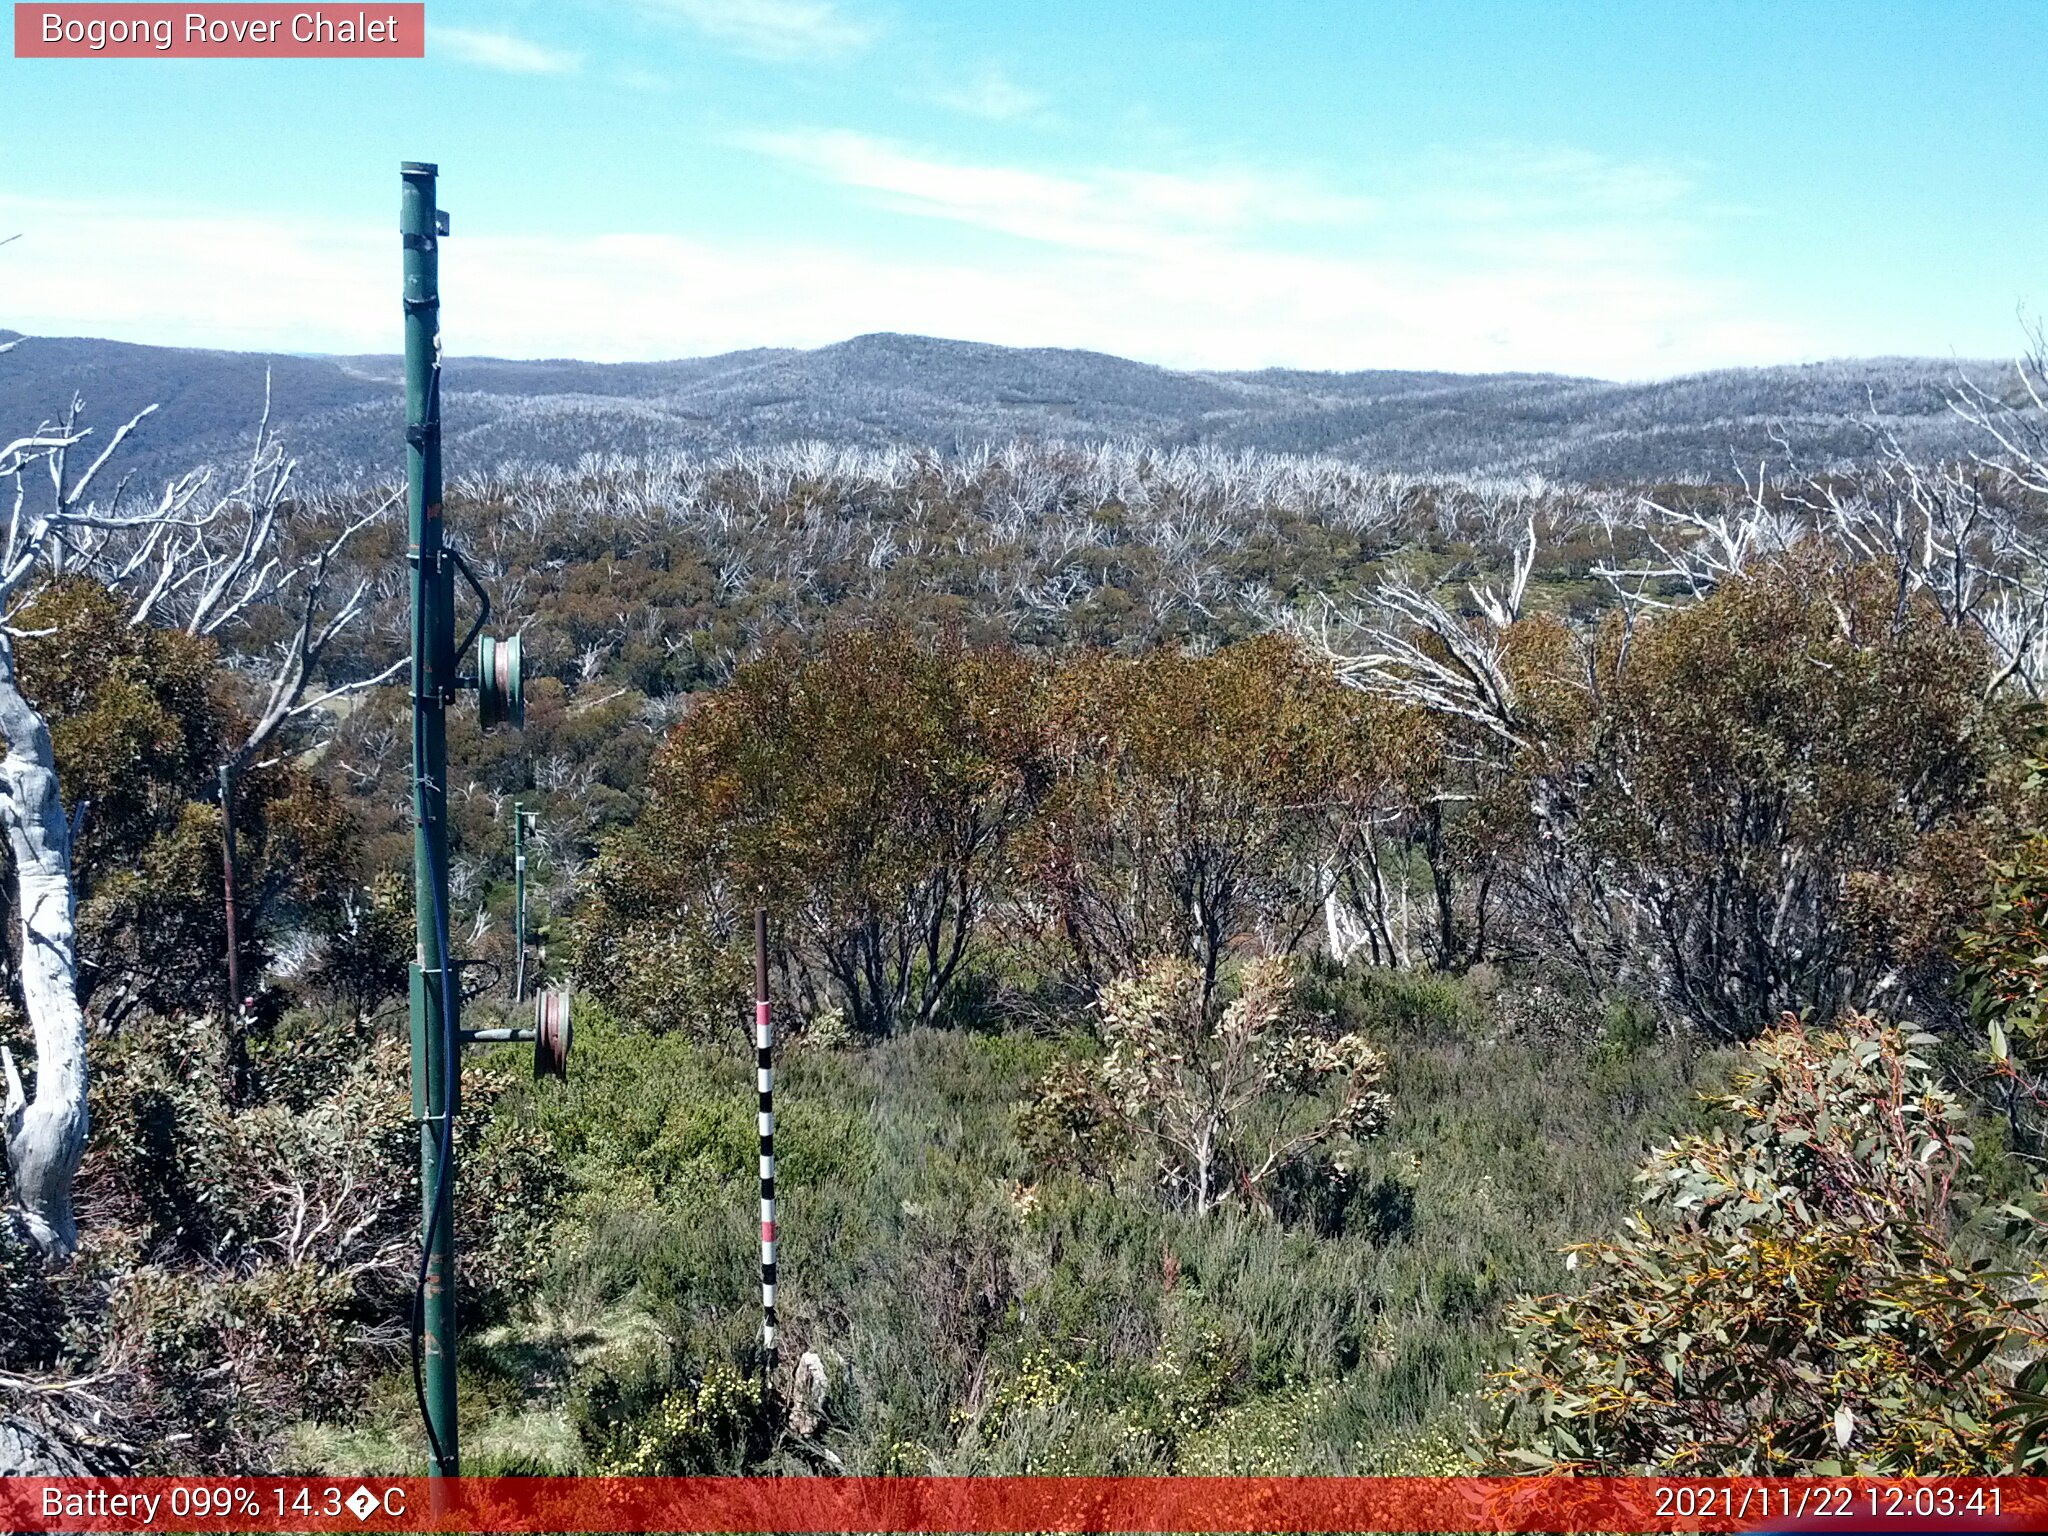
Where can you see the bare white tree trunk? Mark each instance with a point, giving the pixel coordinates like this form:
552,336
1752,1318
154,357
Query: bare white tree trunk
46,1134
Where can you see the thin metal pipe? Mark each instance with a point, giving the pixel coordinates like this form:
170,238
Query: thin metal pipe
237,1012
519,899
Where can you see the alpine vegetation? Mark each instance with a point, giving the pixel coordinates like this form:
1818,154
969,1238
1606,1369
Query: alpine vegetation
1279,963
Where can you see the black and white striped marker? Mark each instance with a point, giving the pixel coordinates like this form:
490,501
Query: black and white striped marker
764,1076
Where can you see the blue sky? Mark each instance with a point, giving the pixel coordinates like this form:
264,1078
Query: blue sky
1628,190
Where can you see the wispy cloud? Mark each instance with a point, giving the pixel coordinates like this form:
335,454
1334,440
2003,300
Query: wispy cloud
503,51
777,30
1109,209
993,95
1507,202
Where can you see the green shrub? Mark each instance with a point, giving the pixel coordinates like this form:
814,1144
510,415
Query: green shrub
665,974
141,718
668,1118
1794,1296
209,1368
367,958
251,1264
1396,1004
721,1423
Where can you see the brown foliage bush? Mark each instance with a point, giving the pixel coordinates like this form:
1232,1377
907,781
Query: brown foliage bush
1779,800
140,718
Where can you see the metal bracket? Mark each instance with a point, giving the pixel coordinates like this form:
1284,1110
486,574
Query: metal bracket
484,598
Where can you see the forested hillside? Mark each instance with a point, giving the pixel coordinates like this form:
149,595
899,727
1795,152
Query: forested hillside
1288,966
921,392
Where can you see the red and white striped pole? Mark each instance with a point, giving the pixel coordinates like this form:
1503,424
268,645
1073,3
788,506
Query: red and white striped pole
764,1076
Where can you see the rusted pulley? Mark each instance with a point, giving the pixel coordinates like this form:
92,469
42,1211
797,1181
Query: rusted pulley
500,683
551,1033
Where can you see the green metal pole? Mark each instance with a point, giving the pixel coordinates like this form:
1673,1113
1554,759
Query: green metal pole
519,898
434,1061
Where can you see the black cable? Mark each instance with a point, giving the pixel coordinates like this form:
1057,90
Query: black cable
451,1067
450,1043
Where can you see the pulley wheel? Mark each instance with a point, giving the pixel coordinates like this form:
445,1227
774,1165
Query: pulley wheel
500,683
551,1033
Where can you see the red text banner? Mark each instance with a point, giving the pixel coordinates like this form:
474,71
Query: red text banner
1843,1506
155,31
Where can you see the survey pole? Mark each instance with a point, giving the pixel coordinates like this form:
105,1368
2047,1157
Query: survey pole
519,900
435,1058
764,1082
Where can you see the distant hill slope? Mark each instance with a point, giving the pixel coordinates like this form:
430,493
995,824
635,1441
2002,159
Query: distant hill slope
341,415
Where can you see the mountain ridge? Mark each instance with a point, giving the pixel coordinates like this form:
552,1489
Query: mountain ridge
340,413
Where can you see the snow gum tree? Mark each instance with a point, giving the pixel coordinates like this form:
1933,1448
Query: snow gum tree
199,557
46,1133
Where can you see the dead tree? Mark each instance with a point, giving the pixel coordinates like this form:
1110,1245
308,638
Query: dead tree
1405,645
194,557
1950,534
46,1134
